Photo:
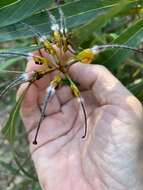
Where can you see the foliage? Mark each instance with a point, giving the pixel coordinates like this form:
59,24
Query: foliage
90,22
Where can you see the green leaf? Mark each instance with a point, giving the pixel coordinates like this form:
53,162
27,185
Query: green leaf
136,86
4,3
132,36
20,10
9,62
8,166
25,49
76,14
97,22
9,129
21,168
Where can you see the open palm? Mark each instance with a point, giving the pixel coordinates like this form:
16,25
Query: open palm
109,157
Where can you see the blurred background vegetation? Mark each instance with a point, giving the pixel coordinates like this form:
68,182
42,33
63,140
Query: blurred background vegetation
89,22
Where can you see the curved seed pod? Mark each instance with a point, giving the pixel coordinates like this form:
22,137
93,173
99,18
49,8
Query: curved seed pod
37,59
54,25
50,92
25,77
42,39
32,29
15,54
77,94
88,55
81,101
97,49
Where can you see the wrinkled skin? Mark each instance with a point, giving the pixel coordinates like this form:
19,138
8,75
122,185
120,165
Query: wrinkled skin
110,157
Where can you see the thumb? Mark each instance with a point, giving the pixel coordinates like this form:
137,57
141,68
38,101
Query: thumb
29,112
105,87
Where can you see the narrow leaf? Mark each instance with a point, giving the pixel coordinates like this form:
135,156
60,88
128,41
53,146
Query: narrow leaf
6,63
76,13
20,10
132,36
9,129
8,166
4,3
97,22
21,168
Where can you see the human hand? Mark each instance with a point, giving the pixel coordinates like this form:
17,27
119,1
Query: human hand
110,155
